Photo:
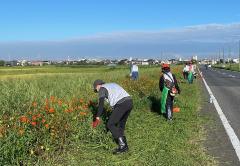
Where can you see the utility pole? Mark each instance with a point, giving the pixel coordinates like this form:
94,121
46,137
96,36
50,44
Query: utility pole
239,57
161,56
229,58
219,56
223,56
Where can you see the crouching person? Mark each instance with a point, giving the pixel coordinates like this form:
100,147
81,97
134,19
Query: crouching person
121,103
169,87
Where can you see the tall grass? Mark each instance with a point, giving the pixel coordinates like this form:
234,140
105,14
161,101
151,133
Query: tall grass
68,139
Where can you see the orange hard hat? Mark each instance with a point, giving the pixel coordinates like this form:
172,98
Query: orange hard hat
165,65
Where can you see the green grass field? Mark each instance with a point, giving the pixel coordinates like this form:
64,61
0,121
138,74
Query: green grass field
46,115
228,66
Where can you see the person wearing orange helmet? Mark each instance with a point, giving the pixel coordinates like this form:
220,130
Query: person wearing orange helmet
168,85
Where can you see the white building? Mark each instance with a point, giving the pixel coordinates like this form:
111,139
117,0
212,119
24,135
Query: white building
236,60
194,57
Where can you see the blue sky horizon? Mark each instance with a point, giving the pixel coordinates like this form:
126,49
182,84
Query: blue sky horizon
102,29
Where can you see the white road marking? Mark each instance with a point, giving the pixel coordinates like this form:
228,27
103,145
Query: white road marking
230,132
232,76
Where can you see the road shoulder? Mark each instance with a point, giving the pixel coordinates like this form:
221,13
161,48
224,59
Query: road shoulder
217,141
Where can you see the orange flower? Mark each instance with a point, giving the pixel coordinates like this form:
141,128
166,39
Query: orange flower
51,110
52,98
38,115
43,120
24,119
34,104
68,110
81,101
46,101
60,102
46,107
34,123
34,117
47,126
83,113
85,107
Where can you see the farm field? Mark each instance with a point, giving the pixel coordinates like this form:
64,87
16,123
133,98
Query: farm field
46,115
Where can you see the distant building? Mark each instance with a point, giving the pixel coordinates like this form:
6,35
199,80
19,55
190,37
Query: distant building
173,61
24,63
145,63
194,57
11,63
235,60
37,63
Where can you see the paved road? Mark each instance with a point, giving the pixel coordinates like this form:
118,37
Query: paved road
225,86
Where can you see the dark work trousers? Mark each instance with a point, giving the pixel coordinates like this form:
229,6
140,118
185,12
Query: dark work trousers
169,107
118,118
185,74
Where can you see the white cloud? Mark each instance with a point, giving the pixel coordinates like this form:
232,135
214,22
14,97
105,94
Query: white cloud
198,39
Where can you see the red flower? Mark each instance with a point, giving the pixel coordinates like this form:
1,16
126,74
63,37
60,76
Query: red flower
51,110
46,107
43,120
34,117
60,102
47,126
34,123
46,101
68,110
34,104
52,98
24,119
81,100
83,113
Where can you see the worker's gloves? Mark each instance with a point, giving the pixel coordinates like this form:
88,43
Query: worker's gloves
95,123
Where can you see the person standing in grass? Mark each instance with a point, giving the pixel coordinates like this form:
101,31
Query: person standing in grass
121,103
185,71
169,87
134,72
190,73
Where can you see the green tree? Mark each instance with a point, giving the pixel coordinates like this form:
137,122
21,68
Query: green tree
2,63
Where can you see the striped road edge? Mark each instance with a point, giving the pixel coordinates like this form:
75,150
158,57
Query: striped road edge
230,132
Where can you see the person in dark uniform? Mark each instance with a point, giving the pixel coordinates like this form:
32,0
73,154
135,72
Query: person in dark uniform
168,81
121,104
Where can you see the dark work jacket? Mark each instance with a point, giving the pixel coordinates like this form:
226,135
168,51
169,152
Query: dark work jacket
161,83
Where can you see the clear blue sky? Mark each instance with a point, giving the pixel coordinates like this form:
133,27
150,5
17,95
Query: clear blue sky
64,19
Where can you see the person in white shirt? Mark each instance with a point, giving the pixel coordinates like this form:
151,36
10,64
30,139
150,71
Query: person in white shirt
134,72
185,71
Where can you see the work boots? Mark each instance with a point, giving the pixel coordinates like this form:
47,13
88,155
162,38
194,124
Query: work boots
122,145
